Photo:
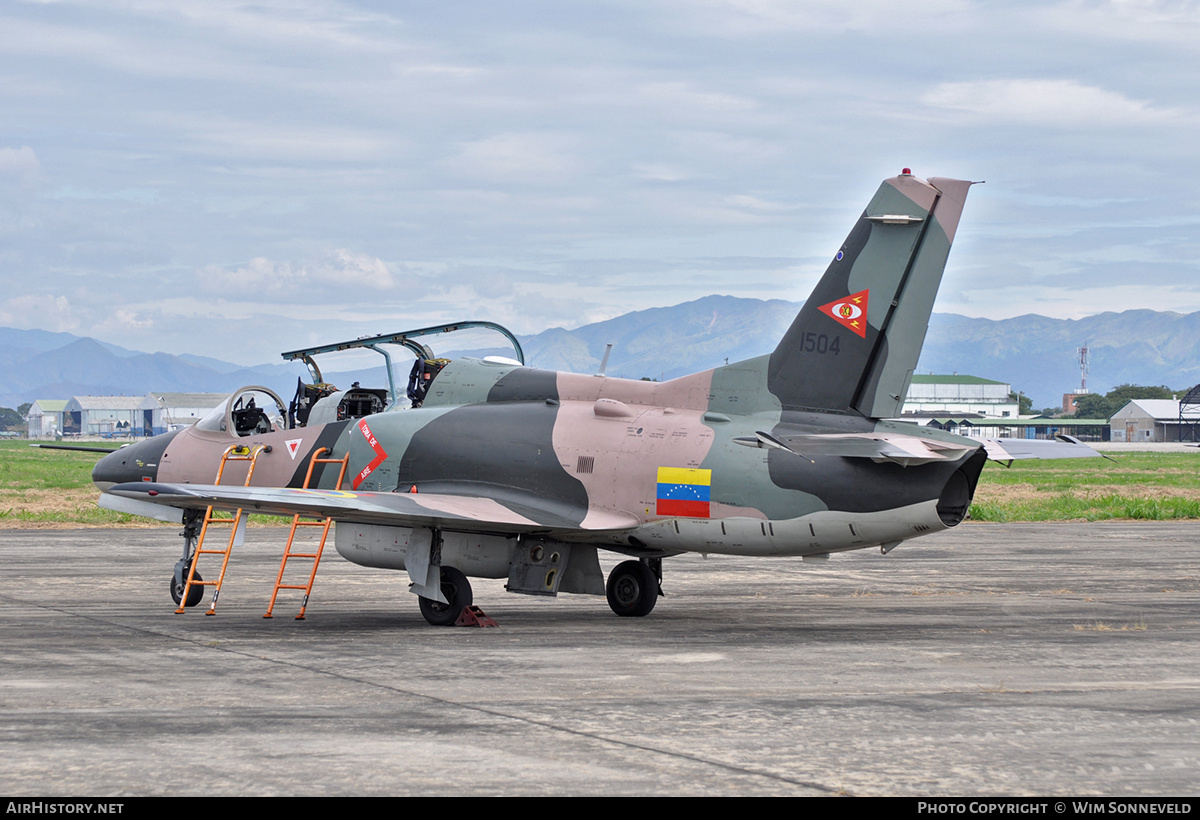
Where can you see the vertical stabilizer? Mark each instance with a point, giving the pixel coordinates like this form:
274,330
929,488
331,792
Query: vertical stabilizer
855,343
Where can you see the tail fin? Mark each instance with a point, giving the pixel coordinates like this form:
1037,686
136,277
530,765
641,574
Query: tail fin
855,343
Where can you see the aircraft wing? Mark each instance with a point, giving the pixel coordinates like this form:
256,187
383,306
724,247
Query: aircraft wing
462,513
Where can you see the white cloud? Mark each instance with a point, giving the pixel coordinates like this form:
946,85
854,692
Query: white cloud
347,267
19,162
304,282
233,139
1062,103
679,99
535,158
661,172
743,17
121,321
39,311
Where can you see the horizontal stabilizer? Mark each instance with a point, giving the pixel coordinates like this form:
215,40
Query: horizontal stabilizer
910,451
901,449
1014,449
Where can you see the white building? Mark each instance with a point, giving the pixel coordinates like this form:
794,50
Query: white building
172,411
108,416
45,418
957,395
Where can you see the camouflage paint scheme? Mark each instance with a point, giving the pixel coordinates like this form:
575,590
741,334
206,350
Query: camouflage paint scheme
787,447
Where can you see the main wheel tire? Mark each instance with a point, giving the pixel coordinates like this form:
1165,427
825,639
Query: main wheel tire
195,594
457,590
632,589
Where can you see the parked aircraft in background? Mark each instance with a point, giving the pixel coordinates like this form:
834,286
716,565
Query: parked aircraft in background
504,471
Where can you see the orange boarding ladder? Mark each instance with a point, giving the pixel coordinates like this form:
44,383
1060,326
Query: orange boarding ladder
238,452
296,522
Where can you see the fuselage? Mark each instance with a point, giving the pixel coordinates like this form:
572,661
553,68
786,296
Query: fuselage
635,465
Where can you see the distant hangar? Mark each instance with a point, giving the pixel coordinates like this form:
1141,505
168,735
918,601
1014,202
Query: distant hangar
118,416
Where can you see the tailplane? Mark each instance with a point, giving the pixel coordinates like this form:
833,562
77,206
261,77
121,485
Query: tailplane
855,343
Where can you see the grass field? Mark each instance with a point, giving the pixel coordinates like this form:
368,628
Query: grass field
53,488
1150,486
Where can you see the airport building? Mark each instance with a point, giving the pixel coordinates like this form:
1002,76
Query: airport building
45,418
118,416
983,408
955,395
174,411
1155,420
107,416
1030,428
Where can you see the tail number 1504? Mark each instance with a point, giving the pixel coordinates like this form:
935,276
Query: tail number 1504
820,343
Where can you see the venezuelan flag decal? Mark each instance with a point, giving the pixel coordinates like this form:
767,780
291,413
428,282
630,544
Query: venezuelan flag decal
683,491
849,312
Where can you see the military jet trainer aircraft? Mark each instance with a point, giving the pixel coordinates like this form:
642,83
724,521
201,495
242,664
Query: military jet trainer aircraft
505,471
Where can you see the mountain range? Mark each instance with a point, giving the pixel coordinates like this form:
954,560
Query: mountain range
1037,355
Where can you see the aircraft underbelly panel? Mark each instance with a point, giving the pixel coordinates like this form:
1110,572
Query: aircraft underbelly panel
371,545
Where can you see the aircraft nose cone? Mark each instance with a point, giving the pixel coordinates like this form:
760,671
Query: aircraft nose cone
135,462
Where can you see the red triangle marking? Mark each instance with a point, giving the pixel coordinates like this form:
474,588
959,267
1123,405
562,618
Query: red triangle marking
849,312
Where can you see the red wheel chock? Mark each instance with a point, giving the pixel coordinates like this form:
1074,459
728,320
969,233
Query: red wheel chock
474,616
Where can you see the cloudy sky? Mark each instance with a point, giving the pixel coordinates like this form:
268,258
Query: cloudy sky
238,179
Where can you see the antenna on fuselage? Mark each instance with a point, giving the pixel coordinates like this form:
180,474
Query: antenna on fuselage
604,361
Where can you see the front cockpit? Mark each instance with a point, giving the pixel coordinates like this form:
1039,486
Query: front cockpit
251,410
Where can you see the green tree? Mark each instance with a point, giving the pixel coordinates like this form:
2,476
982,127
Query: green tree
1024,403
11,420
1125,393
1095,406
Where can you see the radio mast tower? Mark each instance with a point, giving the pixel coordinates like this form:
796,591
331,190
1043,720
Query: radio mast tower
1083,368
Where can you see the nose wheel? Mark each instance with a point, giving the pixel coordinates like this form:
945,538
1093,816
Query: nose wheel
632,589
195,594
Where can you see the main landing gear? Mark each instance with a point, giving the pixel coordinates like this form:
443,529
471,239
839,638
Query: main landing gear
634,586
457,590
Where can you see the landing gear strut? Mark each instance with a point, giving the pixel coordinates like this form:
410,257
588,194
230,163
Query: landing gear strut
633,587
457,590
